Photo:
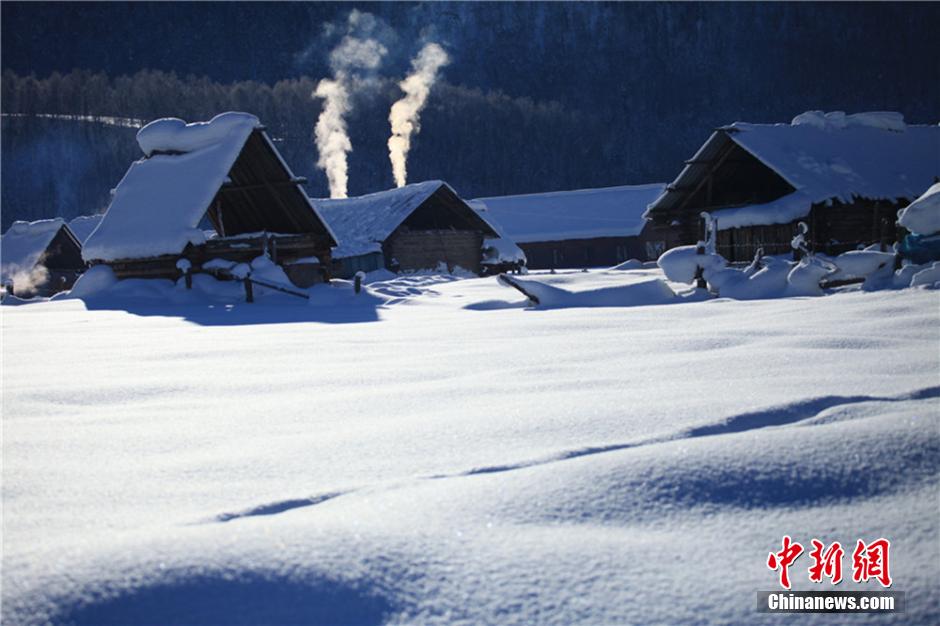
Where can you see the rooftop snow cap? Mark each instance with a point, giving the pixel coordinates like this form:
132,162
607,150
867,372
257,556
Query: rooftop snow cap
885,120
173,135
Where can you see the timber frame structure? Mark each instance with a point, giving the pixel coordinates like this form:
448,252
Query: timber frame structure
261,208
725,175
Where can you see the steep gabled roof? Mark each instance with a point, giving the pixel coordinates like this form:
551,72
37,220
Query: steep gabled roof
228,165
363,222
824,157
579,214
23,246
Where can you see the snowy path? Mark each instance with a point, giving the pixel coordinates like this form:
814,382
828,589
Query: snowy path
455,458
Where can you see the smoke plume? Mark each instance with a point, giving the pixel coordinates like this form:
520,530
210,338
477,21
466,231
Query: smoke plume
404,115
27,281
332,140
355,52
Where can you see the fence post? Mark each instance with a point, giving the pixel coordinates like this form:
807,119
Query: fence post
249,290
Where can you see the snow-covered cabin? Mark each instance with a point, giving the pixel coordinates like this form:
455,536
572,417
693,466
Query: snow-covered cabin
416,227
224,175
846,176
40,258
582,228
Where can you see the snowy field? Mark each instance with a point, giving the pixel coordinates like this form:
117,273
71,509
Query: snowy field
436,452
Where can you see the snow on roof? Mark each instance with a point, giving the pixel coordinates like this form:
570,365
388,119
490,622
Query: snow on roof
579,214
22,246
157,206
922,216
833,156
83,225
361,223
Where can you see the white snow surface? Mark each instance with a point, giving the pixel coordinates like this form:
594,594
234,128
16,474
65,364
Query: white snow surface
363,222
923,214
24,243
578,214
157,206
83,225
433,451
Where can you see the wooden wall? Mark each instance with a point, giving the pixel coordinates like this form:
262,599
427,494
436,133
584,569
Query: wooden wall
832,230
581,253
426,249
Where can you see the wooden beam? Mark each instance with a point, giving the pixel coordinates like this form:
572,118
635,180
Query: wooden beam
264,185
718,162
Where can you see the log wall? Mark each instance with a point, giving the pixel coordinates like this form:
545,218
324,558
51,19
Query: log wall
427,249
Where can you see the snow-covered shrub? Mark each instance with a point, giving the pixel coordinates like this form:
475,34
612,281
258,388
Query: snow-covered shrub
804,278
922,216
682,264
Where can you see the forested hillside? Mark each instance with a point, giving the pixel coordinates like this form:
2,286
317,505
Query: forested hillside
537,97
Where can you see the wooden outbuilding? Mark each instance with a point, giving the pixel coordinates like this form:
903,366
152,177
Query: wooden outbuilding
210,194
422,226
40,258
581,228
844,176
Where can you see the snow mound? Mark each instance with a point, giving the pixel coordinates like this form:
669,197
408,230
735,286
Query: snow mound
631,264
173,135
883,120
681,264
96,280
644,292
922,216
927,277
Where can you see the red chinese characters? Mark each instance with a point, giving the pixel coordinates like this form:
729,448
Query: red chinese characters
826,563
783,559
871,561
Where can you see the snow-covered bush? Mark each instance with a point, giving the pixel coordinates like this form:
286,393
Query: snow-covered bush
683,263
922,216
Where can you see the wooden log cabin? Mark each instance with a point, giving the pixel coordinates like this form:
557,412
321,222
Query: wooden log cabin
422,226
216,191
846,177
580,228
40,258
